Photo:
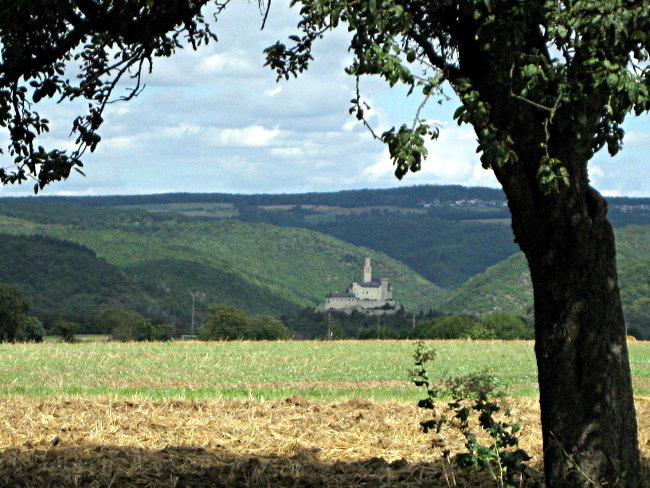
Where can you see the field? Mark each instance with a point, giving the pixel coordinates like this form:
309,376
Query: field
191,414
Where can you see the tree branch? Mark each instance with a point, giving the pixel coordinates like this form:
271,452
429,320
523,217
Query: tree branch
450,71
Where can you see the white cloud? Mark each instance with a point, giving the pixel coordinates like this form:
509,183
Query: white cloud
273,91
636,138
253,136
288,152
452,159
232,63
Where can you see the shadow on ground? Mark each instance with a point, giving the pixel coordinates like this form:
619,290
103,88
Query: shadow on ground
190,467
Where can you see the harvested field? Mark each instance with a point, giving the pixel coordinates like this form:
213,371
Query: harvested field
217,414
289,443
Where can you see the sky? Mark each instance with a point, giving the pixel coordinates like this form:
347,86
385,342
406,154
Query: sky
216,120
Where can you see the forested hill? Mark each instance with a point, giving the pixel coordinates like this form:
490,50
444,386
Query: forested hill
260,252
445,233
406,197
74,259
507,286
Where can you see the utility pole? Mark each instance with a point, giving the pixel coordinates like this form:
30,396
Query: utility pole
413,320
329,325
194,295
378,324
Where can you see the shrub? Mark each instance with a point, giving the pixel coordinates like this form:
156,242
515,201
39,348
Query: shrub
30,330
66,330
507,327
224,323
266,328
127,325
476,399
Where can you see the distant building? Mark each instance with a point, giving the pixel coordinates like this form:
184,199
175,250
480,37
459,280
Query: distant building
368,296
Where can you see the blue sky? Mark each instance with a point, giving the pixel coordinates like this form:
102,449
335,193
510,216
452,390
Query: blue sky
216,121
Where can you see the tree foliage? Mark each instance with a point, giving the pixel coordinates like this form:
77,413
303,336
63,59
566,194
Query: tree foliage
14,307
66,330
580,66
128,325
227,323
92,50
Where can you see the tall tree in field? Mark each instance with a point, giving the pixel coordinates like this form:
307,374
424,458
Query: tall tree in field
14,307
545,85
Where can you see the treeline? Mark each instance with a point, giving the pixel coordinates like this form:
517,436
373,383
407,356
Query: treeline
405,197
408,197
311,323
225,322
221,322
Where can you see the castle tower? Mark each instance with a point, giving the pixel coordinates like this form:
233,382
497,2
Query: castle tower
386,292
367,272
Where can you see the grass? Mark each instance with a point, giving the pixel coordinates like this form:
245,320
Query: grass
335,370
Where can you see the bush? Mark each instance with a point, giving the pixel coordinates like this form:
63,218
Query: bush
501,326
127,325
368,333
66,330
447,327
30,330
224,323
266,328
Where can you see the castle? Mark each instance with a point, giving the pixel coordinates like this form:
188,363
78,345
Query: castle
370,297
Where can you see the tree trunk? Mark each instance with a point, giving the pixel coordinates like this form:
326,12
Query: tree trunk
588,418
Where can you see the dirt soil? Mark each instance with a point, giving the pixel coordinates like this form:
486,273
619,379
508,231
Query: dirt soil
291,443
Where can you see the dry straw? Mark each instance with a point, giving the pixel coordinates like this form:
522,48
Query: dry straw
355,443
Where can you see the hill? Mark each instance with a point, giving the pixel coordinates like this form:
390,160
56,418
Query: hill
447,234
65,279
257,267
507,286
279,253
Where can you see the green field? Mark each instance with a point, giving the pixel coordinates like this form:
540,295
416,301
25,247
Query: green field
262,370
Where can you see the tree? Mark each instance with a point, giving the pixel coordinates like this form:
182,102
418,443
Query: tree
506,327
266,328
545,85
14,307
224,322
81,49
448,327
66,330
128,325
30,330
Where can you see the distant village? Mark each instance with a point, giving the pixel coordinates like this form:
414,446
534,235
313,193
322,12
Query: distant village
476,202
465,203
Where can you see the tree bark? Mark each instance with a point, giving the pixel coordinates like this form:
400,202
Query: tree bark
588,417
